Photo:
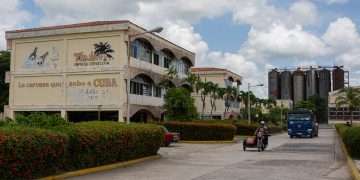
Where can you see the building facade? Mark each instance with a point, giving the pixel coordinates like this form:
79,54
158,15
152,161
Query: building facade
224,78
81,70
340,114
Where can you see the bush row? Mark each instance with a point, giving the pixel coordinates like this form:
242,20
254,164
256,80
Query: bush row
198,131
351,139
28,153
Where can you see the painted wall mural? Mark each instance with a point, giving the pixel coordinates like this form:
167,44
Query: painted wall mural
97,91
46,60
101,55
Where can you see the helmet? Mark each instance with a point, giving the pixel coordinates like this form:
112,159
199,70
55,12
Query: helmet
262,122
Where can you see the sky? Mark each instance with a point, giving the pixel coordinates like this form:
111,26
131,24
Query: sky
248,37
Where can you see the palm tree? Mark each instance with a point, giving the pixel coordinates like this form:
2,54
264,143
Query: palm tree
192,79
103,49
214,95
230,93
204,88
171,74
349,97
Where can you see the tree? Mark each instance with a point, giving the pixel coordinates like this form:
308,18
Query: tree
4,87
214,95
204,88
317,105
229,94
171,74
349,97
179,104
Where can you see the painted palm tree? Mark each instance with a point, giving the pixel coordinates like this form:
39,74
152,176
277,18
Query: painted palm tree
103,49
349,97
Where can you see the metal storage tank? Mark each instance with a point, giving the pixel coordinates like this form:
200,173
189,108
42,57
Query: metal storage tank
311,83
286,85
274,84
324,83
299,86
338,78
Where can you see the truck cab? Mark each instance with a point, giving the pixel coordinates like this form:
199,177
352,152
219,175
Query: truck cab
302,122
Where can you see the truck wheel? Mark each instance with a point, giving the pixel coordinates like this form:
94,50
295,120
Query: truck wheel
291,136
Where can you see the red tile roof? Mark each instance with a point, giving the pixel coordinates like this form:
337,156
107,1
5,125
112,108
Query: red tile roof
203,69
85,24
199,69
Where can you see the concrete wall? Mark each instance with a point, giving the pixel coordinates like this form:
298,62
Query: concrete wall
66,73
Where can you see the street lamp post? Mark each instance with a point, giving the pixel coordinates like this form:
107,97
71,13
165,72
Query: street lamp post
249,103
130,37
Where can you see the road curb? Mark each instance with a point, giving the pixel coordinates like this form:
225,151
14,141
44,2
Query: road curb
108,167
350,162
209,142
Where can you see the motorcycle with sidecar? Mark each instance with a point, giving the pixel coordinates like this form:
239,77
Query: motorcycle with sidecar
259,141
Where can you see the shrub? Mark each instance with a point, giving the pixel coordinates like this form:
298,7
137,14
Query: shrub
40,120
97,143
27,153
198,131
245,129
179,104
351,139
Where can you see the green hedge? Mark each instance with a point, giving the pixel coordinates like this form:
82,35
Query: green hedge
198,131
351,139
29,153
97,143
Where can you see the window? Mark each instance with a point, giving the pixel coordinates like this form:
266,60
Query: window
166,62
141,86
157,91
134,52
156,59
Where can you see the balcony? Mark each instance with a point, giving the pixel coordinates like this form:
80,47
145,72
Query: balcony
146,100
136,63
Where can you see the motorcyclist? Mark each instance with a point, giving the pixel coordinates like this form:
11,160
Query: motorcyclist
264,130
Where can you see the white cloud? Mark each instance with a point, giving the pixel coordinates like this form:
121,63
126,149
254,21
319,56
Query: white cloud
275,32
342,35
12,15
304,12
282,41
334,1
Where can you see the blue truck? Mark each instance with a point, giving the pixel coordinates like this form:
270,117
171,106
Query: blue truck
302,122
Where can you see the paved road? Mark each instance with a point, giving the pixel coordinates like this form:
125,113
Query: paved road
286,159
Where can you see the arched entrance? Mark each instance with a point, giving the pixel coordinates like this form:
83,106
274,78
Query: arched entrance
142,116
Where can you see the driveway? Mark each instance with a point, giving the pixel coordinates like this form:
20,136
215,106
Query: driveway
285,159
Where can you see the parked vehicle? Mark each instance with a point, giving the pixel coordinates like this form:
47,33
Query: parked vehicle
302,122
258,141
170,137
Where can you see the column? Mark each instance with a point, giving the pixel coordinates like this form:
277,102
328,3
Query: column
64,114
121,117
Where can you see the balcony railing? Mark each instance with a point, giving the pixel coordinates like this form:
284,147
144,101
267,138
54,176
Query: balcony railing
147,66
146,100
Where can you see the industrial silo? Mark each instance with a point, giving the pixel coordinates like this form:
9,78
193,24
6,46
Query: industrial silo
311,83
299,86
274,84
338,78
286,85
324,83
